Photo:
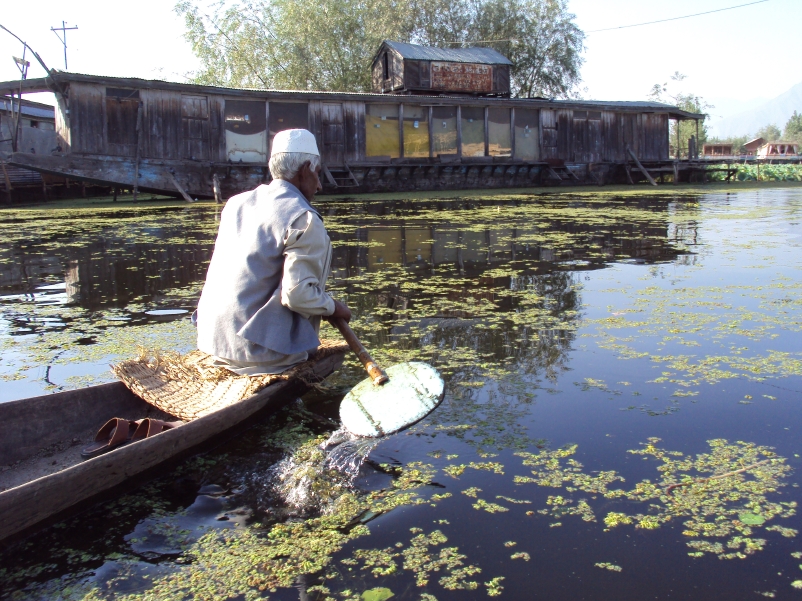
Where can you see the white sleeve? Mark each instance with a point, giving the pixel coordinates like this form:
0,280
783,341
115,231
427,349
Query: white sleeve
306,252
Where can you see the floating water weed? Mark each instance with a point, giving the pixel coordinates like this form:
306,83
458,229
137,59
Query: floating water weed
720,494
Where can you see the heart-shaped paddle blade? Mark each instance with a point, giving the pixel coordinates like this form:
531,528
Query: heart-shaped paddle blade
413,391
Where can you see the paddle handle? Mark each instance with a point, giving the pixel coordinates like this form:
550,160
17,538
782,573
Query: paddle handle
374,371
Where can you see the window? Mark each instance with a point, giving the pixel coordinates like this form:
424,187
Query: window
386,61
381,130
498,132
416,131
444,131
246,131
526,134
288,115
473,131
34,124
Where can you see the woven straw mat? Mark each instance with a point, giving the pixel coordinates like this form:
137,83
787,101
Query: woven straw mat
190,386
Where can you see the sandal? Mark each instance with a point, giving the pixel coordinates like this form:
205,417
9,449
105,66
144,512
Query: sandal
114,433
151,427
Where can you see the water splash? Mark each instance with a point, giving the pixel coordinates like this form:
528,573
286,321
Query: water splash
316,475
346,452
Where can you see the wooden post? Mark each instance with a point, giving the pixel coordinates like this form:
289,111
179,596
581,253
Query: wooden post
487,131
116,191
136,167
459,132
218,197
678,153
628,169
431,132
640,166
401,131
8,182
178,187
512,133
676,172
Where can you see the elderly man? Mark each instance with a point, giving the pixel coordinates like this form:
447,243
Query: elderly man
265,291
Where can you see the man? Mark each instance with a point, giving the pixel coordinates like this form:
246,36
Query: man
265,291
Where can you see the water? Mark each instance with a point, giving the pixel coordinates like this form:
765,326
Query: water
572,332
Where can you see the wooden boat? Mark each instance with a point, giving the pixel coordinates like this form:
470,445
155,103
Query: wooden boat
44,476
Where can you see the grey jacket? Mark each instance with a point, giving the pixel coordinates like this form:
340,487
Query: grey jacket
266,281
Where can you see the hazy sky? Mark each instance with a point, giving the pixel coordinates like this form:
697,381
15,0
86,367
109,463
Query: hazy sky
729,57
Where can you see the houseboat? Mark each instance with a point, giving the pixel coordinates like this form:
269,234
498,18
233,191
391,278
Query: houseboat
435,119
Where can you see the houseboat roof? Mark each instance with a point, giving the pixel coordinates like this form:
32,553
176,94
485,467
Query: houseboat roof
58,78
484,56
28,108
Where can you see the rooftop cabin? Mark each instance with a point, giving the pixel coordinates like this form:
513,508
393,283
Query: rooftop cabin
400,68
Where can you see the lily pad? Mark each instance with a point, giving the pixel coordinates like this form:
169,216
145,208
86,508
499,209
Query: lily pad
751,519
377,594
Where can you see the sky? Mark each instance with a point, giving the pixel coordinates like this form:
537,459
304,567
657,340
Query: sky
734,59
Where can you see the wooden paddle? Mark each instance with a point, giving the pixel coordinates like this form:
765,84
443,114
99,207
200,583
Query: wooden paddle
374,371
387,401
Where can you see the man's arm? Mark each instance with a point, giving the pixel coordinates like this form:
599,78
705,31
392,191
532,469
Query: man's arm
306,251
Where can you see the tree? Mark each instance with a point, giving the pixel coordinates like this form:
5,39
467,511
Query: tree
793,129
770,133
542,41
669,93
329,44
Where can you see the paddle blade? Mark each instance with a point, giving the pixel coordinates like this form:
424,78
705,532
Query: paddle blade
413,391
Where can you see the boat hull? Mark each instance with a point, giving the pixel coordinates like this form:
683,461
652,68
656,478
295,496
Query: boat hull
32,426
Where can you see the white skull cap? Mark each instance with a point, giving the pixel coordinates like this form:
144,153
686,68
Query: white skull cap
295,140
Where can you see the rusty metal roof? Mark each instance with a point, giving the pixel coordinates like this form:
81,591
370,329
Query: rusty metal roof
485,56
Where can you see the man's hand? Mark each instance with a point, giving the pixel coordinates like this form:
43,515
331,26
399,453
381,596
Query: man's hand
341,310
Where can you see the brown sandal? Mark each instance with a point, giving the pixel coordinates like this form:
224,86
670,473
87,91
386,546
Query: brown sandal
114,433
151,427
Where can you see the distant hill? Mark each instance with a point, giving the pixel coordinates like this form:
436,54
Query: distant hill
776,111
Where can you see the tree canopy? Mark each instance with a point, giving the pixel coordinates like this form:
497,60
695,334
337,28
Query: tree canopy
670,93
329,44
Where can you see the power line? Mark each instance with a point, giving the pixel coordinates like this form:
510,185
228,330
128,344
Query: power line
678,18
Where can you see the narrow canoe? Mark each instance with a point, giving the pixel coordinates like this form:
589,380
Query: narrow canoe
42,475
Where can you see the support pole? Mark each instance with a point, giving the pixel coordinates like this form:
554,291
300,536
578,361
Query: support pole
136,167
8,182
640,166
178,187
218,197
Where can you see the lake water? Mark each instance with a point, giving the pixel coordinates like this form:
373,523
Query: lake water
622,415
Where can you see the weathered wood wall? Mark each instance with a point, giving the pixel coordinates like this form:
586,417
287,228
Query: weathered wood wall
171,125
180,126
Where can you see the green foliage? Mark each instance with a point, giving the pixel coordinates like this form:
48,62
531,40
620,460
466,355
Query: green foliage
671,94
770,133
764,173
330,44
793,129
540,38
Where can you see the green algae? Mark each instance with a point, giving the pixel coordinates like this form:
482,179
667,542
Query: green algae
721,494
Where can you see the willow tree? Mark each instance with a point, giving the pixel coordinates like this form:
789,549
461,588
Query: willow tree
329,44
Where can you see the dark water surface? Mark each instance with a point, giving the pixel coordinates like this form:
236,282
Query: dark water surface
597,348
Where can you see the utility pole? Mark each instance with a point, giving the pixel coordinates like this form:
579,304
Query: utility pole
63,38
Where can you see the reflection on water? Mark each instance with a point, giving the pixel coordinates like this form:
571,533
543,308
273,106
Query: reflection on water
597,351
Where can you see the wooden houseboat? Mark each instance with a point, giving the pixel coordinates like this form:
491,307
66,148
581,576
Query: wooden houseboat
438,119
